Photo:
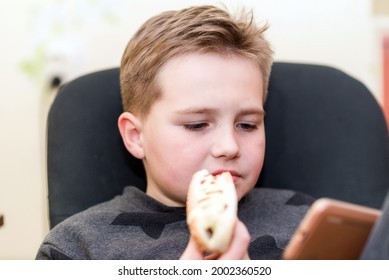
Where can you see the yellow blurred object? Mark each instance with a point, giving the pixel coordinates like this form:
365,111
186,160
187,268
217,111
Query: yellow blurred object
380,7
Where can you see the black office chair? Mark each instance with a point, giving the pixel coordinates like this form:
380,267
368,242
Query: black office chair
326,136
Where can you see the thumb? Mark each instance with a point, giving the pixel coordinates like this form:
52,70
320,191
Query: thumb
192,252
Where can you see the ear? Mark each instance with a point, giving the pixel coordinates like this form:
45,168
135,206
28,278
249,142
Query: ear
130,129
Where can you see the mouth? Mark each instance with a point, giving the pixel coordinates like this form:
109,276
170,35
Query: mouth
235,175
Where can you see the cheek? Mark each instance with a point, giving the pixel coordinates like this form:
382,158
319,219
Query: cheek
254,156
261,146
175,154
188,159
253,163
188,155
259,156
254,147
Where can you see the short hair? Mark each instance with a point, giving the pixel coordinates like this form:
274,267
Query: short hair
200,29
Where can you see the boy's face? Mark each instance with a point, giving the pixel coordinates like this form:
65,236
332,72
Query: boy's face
210,116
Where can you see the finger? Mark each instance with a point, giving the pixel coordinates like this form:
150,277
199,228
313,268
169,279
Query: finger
238,248
213,256
192,252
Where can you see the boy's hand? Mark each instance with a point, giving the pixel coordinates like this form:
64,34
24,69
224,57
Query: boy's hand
238,249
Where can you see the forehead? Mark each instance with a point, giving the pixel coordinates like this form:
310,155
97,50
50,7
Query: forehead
210,75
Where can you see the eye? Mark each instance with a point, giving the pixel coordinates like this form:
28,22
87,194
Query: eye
247,126
195,126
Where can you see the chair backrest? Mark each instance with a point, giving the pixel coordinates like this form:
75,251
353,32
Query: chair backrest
326,136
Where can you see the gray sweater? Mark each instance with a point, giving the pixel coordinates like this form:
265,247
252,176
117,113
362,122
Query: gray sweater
135,226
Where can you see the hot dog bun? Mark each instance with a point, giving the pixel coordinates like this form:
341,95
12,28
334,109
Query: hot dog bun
212,210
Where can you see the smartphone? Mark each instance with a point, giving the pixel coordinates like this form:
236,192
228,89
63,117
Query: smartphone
332,230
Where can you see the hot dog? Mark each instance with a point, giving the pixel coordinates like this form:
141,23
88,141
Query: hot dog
212,210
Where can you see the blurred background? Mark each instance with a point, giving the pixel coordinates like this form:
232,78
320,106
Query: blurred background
48,42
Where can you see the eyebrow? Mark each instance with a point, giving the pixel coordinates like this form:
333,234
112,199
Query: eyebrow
252,111
196,110
205,110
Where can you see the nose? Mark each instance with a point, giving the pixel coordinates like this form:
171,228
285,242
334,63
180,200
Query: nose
225,144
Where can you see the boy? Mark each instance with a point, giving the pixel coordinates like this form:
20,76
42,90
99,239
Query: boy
193,85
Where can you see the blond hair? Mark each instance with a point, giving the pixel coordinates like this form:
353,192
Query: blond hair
200,29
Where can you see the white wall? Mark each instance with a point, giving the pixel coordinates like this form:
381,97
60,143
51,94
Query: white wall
91,35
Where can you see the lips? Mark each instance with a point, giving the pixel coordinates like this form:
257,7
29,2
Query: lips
235,175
